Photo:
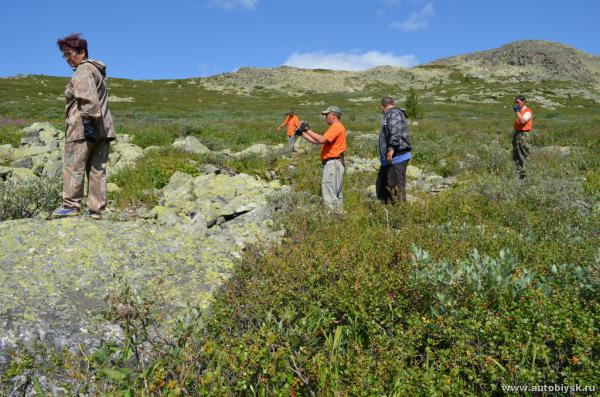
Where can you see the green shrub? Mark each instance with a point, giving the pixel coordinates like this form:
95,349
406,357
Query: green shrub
413,107
25,199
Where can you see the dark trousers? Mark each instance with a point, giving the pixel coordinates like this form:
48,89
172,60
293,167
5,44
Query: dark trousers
391,182
520,151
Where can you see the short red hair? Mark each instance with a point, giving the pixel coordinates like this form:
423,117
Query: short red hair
73,42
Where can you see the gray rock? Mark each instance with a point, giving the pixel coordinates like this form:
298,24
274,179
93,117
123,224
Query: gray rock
112,187
5,172
30,151
413,172
165,216
39,162
52,168
6,153
190,144
22,175
26,162
209,169
124,155
358,164
260,149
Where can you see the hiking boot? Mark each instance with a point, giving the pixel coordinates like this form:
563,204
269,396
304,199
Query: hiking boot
64,212
95,215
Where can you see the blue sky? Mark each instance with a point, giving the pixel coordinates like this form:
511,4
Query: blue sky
190,38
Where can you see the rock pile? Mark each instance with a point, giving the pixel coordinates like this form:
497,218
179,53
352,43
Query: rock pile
39,154
54,274
41,149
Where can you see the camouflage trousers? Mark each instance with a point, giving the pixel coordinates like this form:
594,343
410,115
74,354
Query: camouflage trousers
520,151
81,159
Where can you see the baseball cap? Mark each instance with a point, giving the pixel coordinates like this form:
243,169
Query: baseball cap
333,109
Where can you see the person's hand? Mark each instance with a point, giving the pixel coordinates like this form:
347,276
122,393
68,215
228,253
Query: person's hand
278,128
516,108
389,155
304,126
89,132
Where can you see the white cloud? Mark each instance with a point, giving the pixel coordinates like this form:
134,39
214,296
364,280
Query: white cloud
233,4
417,20
348,60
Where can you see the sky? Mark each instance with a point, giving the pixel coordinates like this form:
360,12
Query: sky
155,39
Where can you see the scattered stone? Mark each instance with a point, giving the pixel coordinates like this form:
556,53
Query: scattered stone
112,188
260,149
25,162
358,164
190,144
22,175
413,172
6,152
123,155
5,172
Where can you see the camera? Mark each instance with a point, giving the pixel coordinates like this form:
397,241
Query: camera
303,128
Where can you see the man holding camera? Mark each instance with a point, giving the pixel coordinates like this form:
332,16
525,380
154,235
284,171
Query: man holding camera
292,123
520,138
394,153
332,155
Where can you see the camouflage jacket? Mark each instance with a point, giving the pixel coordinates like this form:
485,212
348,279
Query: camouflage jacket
87,96
394,132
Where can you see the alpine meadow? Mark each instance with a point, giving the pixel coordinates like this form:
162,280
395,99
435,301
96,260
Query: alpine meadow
216,270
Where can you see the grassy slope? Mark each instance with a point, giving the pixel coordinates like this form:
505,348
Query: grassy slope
348,306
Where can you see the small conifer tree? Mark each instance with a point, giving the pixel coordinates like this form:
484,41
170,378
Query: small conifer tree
412,105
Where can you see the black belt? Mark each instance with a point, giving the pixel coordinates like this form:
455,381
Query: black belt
330,158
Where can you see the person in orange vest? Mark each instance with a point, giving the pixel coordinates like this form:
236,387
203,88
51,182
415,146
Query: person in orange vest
332,156
292,123
520,138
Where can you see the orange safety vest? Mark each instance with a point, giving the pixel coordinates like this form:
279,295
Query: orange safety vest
524,126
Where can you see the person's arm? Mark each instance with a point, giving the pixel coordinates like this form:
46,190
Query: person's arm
524,118
287,119
316,138
396,128
86,94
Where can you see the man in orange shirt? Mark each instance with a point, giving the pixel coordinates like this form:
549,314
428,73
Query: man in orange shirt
520,138
292,123
332,155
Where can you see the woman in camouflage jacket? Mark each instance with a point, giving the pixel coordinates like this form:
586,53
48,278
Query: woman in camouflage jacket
89,130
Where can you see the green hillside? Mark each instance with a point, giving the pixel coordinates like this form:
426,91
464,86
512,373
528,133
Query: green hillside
494,281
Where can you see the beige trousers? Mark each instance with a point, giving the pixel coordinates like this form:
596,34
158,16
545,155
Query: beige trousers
83,158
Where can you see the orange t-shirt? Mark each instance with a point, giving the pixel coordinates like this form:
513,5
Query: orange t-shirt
336,141
293,122
524,126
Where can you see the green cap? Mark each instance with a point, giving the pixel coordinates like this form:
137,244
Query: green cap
333,109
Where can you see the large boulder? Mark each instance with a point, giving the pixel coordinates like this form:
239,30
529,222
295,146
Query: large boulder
190,144
41,134
55,274
123,155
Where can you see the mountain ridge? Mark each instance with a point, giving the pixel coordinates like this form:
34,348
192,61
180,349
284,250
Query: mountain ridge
524,60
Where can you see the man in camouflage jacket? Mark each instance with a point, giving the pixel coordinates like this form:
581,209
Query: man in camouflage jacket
394,153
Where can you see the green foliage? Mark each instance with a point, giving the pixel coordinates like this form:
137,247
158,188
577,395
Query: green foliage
492,282
414,109
24,199
153,171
